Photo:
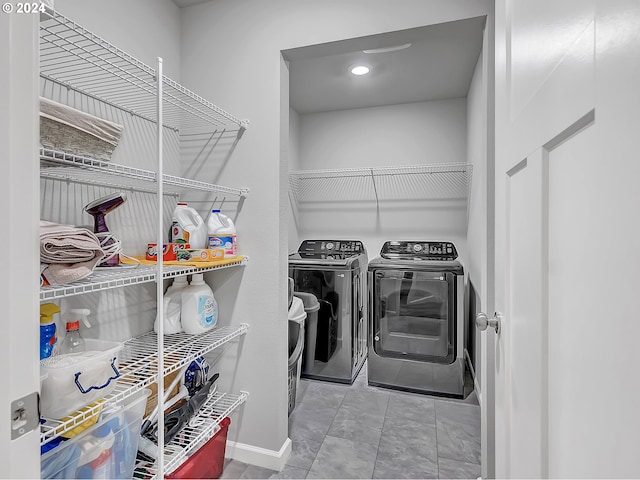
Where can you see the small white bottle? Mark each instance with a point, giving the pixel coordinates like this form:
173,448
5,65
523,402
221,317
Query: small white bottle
199,307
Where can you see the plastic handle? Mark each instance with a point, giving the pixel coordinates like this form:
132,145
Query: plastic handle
95,387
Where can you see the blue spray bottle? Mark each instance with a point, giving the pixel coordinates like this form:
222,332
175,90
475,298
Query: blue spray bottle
48,336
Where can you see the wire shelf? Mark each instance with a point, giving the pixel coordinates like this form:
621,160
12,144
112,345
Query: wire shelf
137,361
199,430
137,177
410,182
108,278
80,60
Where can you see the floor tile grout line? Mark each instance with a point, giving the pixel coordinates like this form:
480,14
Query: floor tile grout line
435,418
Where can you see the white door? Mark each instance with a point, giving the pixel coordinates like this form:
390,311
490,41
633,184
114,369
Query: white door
19,197
567,238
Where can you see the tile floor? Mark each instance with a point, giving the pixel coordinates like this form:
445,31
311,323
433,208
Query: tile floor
358,431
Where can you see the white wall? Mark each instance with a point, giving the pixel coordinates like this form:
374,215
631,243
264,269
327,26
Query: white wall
477,226
231,54
406,134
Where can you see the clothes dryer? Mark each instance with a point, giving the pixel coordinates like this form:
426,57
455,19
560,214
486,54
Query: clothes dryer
335,272
416,318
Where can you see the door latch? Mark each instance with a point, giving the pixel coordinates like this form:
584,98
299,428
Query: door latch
25,415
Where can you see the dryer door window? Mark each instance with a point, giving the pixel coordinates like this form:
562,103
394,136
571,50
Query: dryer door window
413,315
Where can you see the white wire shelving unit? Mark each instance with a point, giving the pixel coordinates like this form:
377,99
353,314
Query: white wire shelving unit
443,181
79,60
107,278
137,367
91,171
200,429
74,58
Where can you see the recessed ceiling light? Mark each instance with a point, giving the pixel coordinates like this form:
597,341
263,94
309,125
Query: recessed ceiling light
360,69
388,49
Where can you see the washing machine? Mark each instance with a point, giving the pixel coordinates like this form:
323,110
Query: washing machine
335,272
416,318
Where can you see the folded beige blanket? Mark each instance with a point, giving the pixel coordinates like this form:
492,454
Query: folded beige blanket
72,253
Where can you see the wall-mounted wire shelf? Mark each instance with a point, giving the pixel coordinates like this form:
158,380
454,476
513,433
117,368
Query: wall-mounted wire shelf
195,434
82,61
55,165
380,184
107,278
137,366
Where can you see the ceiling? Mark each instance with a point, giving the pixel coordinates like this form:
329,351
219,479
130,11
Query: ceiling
438,65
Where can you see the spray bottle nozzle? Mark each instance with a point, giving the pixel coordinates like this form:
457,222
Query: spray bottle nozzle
82,313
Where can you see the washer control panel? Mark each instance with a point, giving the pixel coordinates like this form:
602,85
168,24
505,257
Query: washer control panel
353,247
443,251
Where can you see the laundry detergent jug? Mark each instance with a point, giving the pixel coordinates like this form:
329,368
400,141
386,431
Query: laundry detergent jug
199,307
187,226
221,233
172,306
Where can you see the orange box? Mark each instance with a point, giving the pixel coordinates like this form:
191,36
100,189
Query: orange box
169,251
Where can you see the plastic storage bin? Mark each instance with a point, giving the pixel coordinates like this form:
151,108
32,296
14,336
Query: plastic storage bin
311,307
297,316
208,460
106,450
77,379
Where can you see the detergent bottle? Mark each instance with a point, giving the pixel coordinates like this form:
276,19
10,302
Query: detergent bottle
172,304
96,450
221,233
187,226
199,307
48,336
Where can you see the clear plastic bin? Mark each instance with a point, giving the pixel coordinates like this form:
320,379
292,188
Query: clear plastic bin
71,381
106,450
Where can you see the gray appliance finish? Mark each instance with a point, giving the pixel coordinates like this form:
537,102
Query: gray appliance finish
335,272
416,318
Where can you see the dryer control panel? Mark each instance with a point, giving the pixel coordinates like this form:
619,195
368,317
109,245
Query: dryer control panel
353,247
443,251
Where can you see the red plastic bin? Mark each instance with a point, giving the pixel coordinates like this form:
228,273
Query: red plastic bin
208,461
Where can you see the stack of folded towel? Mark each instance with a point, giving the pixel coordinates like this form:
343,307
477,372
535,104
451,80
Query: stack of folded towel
67,253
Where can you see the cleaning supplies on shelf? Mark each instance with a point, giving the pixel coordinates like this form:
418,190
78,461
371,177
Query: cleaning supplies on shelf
72,341
172,306
48,336
70,253
221,233
199,307
99,208
187,226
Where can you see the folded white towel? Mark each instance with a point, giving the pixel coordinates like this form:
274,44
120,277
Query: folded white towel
72,253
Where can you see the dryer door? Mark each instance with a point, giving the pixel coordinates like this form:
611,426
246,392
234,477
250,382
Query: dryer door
414,315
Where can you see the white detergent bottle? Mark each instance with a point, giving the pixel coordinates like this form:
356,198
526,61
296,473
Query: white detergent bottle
199,307
174,222
221,233
189,227
172,303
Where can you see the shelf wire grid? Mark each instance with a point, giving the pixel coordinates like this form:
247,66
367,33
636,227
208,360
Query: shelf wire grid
105,278
76,58
409,182
62,159
199,430
138,360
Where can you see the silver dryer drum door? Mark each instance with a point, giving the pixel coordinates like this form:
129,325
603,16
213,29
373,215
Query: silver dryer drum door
414,315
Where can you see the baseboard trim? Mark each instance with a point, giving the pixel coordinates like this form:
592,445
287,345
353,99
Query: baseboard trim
261,457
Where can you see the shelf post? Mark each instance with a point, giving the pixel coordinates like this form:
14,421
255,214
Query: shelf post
159,278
